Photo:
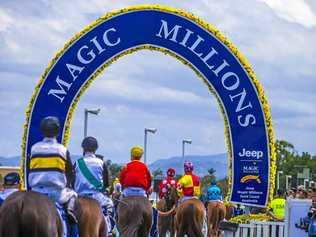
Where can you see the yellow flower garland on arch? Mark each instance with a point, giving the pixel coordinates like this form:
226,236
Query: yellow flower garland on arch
201,23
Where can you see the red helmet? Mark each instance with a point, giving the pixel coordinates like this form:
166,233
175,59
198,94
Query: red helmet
188,166
171,172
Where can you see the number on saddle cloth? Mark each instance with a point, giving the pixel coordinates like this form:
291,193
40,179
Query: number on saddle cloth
68,229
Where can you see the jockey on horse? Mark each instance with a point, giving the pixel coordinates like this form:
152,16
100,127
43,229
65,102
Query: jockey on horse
166,203
216,209
134,208
167,183
92,179
190,215
11,184
135,176
188,186
214,193
51,170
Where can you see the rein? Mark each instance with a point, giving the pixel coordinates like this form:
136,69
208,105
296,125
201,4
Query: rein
120,201
167,213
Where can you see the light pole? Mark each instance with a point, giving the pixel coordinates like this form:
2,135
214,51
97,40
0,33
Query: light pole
151,130
278,178
86,112
189,141
287,177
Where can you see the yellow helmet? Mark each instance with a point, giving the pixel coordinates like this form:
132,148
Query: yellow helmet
137,151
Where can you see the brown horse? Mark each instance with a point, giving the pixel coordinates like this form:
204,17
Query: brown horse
166,219
134,216
25,214
216,212
229,211
189,218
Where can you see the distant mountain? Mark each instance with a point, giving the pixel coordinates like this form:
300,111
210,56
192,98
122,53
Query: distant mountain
16,160
10,161
201,164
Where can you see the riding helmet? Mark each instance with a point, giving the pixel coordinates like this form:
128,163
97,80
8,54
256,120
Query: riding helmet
12,178
90,144
137,152
50,126
188,166
171,172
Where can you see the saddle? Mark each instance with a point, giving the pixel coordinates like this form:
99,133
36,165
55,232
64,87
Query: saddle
69,230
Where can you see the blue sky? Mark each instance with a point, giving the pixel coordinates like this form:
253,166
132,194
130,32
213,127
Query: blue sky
149,89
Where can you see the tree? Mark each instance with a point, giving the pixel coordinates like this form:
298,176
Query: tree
157,172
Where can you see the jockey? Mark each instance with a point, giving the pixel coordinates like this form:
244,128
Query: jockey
11,184
214,193
189,185
51,170
92,178
135,176
167,183
117,187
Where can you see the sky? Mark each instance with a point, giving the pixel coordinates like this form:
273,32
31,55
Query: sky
149,89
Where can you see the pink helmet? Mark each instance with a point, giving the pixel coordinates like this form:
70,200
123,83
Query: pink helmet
188,166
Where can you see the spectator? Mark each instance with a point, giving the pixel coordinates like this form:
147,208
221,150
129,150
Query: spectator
278,206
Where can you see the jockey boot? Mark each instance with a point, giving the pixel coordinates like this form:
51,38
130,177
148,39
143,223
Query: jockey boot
72,210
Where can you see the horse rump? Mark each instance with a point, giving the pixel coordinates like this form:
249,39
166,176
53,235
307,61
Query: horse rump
187,220
26,214
134,217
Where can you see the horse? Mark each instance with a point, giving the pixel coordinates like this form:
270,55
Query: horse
134,216
29,213
229,211
165,217
216,212
189,218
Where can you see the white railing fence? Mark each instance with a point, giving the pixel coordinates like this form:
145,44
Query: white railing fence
258,229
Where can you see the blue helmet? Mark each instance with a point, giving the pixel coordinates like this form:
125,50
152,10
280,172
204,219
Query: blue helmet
12,178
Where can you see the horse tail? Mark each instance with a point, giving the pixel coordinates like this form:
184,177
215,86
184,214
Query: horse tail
187,227
134,217
216,217
10,221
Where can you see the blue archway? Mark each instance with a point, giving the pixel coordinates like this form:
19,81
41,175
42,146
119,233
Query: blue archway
177,33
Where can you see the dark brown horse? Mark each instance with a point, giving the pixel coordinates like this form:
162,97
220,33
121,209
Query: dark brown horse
165,217
229,211
134,216
189,218
216,212
25,214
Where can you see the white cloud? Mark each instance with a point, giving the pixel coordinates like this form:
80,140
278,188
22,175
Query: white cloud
5,20
145,89
297,11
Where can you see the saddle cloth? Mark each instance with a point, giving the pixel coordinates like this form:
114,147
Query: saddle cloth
68,230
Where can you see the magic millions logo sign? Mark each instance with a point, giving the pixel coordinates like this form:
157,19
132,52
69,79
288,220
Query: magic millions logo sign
195,43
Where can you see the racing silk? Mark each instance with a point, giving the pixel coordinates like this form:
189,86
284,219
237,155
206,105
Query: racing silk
6,193
92,166
49,165
163,186
278,207
135,174
189,185
214,193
